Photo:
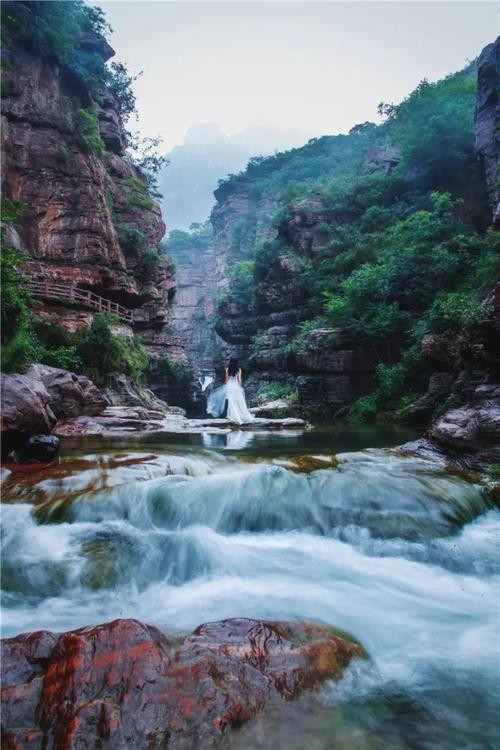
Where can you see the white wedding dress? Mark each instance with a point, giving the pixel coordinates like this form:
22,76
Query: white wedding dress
237,410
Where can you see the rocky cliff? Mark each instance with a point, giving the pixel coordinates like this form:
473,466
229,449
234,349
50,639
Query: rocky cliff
261,336
487,118
194,304
301,236
86,217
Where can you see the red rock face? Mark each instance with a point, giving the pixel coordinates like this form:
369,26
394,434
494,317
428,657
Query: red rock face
31,403
125,684
78,206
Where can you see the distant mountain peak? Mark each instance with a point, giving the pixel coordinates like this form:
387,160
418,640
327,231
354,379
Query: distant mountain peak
204,132
208,155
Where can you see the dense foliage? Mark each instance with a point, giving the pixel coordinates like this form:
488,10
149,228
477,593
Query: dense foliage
95,351
180,242
177,375
18,342
327,155
87,134
400,218
55,30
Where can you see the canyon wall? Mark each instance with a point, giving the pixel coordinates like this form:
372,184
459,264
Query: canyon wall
260,338
194,303
487,117
272,223
86,217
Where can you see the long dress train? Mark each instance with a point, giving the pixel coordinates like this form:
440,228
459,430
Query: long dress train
237,410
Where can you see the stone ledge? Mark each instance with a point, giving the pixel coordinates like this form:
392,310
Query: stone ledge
124,420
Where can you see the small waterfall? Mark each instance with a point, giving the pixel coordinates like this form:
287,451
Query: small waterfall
205,382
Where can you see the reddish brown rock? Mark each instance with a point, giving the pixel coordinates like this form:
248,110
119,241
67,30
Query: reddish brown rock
70,394
31,403
25,405
87,218
126,684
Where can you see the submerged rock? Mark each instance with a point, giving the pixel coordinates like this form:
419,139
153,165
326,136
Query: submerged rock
41,448
126,684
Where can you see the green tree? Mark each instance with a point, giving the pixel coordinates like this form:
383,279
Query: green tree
19,344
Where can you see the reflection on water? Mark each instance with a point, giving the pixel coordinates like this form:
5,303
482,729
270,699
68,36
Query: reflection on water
260,443
282,527
239,440
235,440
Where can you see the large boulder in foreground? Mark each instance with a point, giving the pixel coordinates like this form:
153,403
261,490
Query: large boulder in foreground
126,684
32,403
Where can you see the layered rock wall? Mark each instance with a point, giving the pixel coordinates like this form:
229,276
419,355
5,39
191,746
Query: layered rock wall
85,215
328,366
487,119
321,371
194,305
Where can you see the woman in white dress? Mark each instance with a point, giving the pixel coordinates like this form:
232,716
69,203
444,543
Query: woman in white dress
233,393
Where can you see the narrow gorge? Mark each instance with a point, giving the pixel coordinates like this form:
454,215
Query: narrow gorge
325,574
304,269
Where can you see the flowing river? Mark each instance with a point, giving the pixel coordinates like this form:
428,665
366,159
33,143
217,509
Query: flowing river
281,526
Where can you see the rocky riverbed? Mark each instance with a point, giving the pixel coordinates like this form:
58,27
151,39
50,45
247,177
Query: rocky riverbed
285,529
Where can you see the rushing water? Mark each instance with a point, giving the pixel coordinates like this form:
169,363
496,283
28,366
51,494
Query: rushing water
278,527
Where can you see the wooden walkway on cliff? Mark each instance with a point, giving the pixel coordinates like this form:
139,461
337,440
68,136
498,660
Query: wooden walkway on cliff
83,297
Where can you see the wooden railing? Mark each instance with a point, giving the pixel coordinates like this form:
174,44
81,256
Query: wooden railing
83,297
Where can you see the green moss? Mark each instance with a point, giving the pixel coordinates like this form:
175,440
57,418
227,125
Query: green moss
86,131
148,266
19,342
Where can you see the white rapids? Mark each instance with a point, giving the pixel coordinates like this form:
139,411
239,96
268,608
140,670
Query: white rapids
365,547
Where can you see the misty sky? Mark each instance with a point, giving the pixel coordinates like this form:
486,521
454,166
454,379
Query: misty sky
320,67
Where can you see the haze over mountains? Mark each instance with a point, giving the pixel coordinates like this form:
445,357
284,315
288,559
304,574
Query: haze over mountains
207,155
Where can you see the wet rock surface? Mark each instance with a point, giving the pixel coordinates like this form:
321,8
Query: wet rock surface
42,448
126,684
